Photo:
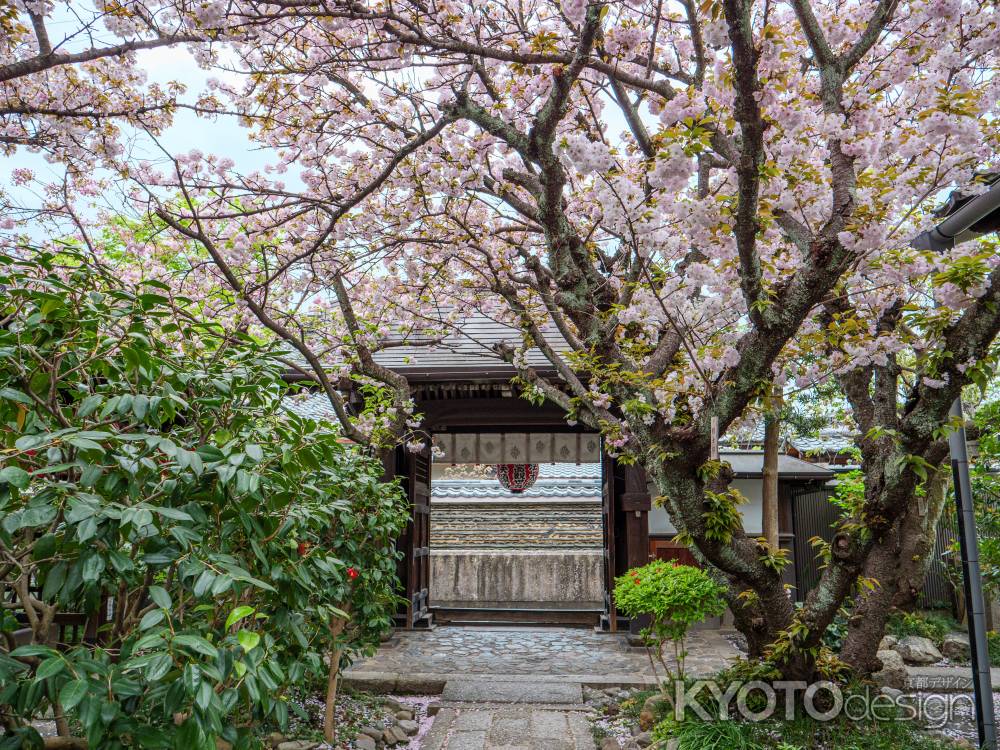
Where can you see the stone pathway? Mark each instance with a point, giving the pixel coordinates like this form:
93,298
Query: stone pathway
424,660
492,727
508,688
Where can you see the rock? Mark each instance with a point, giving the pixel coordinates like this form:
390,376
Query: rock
221,744
893,672
652,710
918,650
374,732
409,727
610,743
298,745
956,647
404,714
887,643
890,692
392,704
364,742
394,736
612,710
631,744
275,738
643,739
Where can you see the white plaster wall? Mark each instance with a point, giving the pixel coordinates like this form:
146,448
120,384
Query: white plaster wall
659,522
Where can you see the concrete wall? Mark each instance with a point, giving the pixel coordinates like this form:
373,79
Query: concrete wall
752,489
515,577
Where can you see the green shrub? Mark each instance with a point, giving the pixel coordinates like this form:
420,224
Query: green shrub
709,735
798,734
932,625
993,645
673,597
220,549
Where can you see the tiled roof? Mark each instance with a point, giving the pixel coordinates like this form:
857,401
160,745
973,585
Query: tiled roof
750,464
468,351
826,440
569,471
490,488
314,406
832,440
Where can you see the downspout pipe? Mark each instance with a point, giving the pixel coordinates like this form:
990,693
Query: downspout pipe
966,219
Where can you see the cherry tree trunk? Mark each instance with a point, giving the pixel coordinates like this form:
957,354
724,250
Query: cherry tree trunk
896,568
769,496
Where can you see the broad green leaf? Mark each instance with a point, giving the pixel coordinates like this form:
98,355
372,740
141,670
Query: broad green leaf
32,650
50,667
93,566
158,666
238,614
248,639
15,475
12,394
151,619
72,693
160,596
196,643
89,405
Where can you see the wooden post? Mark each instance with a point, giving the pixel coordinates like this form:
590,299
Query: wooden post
636,502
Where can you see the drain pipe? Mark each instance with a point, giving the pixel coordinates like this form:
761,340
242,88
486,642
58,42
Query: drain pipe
967,219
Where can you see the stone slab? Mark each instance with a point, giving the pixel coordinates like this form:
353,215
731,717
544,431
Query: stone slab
438,733
483,691
946,679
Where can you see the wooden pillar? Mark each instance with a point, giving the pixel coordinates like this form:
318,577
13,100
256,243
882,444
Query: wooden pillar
634,504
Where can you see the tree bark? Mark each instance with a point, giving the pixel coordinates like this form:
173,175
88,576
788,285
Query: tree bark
337,626
769,501
897,568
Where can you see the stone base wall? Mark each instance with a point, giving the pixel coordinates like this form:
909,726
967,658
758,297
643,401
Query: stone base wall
488,578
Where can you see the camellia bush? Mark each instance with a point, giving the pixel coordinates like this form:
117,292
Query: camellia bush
673,598
213,550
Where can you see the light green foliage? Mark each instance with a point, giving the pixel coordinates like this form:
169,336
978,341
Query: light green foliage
722,515
150,474
932,625
849,494
673,597
798,734
986,497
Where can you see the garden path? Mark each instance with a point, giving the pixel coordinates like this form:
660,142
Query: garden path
507,688
420,661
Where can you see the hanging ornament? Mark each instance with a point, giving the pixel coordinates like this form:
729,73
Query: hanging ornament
517,477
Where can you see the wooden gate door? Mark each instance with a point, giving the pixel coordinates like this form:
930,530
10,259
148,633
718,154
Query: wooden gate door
418,573
608,513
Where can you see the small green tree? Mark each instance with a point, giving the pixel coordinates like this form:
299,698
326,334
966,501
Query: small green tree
218,548
673,597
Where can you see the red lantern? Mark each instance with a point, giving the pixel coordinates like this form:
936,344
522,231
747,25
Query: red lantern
517,477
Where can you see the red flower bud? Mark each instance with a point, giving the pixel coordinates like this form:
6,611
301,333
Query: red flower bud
352,573
303,549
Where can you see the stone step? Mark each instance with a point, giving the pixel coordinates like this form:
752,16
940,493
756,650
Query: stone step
471,690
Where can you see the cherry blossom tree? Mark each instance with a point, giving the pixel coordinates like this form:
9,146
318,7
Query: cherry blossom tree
682,206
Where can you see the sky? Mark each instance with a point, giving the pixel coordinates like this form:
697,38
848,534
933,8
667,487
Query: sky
223,136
